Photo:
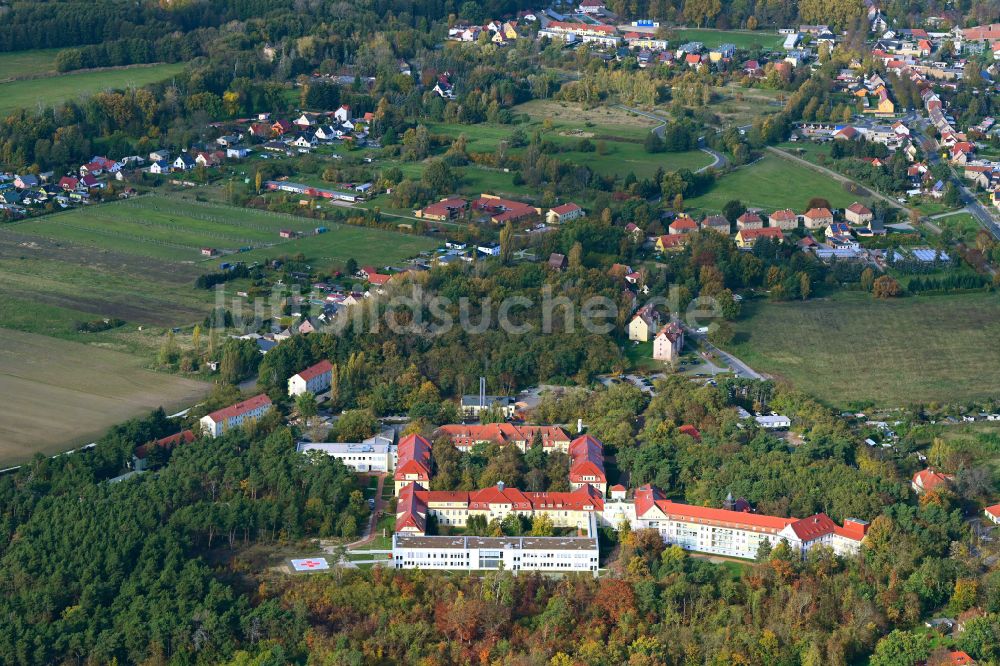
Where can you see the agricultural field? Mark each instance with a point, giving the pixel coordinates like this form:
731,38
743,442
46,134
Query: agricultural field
59,394
773,182
46,91
849,348
27,64
742,39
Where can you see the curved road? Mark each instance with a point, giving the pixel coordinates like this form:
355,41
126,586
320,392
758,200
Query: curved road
718,159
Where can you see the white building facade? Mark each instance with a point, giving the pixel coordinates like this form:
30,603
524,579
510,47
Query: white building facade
234,416
314,379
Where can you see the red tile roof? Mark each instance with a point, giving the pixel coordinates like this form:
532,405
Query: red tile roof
413,456
928,479
783,215
503,434
690,431
858,209
587,460
818,213
565,208
314,371
182,437
994,510
239,408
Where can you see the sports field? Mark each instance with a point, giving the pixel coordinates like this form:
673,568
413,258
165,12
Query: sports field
741,39
773,182
59,394
897,352
30,93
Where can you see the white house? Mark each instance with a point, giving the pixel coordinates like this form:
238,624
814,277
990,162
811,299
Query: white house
218,422
992,513
314,379
160,166
343,114
184,162
774,422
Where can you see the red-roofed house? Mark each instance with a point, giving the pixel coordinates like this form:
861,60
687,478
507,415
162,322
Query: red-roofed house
993,513
846,134
413,462
314,379
749,221
927,480
682,225
671,242
858,214
783,219
234,416
817,218
962,152
68,183
564,213
446,209
747,238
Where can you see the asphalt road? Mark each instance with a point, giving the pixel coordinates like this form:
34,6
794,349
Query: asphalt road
719,160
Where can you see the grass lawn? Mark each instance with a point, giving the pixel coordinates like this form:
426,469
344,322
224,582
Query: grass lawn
619,133
21,64
741,39
640,356
173,230
850,348
963,226
29,93
60,394
771,183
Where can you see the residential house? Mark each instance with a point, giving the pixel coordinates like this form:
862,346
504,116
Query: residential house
682,225
749,220
670,242
668,343
785,220
927,480
159,156
564,213
992,514
557,261
747,238
817,218
858,214
159,167
343,113
716,223
280,127
26,181
314,379
68,183
184,162
643,324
